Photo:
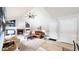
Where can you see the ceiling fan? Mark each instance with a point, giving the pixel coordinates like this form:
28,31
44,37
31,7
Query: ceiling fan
30,15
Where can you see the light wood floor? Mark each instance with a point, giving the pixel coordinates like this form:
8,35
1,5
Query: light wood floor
56,46
44,45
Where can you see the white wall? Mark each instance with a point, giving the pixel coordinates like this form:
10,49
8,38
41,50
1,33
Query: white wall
63,28
77,39
53,29
45,20
42,19
68,29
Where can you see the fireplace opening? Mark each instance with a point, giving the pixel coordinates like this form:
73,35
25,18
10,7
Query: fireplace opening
20,31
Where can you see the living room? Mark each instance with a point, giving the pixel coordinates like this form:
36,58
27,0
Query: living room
41,29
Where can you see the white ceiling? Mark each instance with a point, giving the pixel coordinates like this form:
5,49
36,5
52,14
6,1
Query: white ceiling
13,12
62,11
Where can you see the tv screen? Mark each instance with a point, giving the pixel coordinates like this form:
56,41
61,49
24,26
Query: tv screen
10,32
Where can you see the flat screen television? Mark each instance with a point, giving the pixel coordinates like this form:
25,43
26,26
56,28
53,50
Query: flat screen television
10,32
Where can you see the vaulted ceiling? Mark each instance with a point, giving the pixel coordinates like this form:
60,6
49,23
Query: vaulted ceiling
62,11
13,12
